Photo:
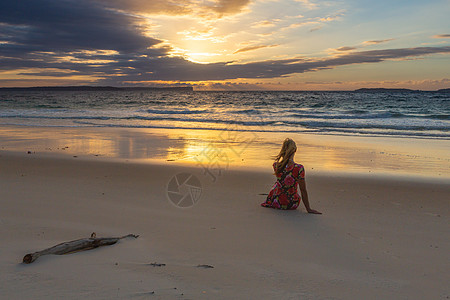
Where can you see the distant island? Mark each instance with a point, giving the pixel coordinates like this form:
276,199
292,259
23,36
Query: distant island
98,88
385,90
398,90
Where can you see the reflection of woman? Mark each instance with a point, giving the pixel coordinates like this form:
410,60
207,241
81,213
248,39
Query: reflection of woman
284,194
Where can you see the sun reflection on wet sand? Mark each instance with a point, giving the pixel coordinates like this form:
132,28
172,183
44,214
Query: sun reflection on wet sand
220,150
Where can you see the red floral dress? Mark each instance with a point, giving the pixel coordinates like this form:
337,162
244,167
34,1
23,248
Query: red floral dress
283,194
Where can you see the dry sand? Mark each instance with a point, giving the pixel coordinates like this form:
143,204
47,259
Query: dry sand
378,238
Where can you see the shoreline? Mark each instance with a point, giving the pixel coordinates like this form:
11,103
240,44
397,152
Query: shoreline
330,154
343,134
350,175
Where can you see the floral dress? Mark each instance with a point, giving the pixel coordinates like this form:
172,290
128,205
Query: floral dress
283,194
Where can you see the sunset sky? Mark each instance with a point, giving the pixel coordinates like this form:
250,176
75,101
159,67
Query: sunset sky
226,44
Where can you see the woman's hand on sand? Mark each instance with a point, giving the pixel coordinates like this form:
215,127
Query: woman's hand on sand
313,211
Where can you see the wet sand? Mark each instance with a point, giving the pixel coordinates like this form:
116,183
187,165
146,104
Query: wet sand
422,158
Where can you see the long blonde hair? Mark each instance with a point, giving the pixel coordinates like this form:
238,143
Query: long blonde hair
286,153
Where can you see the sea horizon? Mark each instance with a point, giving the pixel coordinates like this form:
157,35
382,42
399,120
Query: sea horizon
187,86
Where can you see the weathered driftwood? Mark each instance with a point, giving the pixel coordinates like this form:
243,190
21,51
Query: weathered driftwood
75,246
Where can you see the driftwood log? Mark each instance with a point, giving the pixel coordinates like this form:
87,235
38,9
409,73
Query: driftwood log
75,246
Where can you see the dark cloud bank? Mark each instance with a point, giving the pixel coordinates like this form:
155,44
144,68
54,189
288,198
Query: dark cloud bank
40,34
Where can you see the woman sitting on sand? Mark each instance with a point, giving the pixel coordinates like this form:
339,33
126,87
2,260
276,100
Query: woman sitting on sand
284,194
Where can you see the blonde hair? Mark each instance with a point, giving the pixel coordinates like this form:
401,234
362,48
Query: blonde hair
286,153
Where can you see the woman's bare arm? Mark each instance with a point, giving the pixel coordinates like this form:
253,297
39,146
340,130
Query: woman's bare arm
304,193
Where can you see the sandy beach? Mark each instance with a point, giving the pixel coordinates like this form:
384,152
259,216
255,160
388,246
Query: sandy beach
378,238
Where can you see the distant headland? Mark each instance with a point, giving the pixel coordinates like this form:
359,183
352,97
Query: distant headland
396,90
385,90
98,88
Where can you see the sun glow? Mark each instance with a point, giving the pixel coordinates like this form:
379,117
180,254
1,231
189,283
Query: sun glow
202,58
197,52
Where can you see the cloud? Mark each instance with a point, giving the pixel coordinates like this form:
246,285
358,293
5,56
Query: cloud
345,48
201,35
250,48
263,24
318,21
84,39
308,4
168,7
362,45
426,84
374,42
441,36
131,68
230,6
206,9
66,26
182,70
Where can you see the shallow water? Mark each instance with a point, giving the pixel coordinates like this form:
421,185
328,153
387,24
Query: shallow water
401,114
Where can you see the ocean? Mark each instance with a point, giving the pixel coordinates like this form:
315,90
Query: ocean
376,113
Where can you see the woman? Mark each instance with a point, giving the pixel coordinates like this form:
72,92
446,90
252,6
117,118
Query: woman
284,194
